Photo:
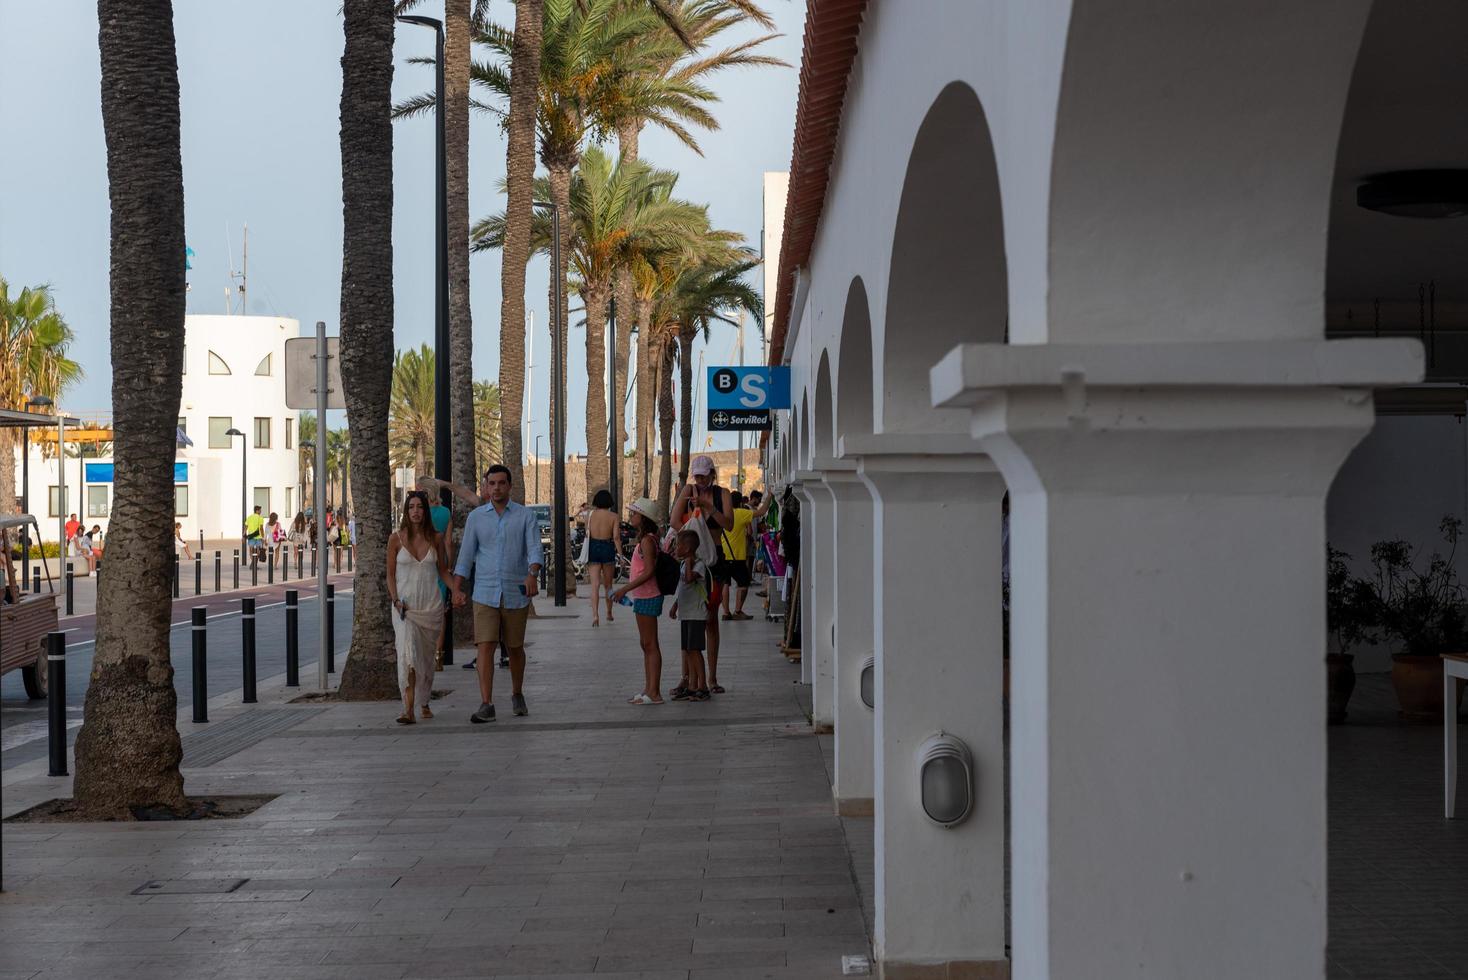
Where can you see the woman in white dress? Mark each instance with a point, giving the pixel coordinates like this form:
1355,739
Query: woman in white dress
416,564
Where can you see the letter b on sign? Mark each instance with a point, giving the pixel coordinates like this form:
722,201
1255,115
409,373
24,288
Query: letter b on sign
725,380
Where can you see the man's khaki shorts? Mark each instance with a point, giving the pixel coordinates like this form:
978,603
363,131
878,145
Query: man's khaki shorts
496,624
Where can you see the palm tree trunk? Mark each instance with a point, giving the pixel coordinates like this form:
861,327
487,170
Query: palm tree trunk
627,318
520,193
9,444
461,334
665,420
598,473
646,394
128,750
370,672
685,380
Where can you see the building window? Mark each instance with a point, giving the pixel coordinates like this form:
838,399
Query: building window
56,502
263,368
288,427
217,365
219,426
181,501
262,433
97,500
262,500
290,499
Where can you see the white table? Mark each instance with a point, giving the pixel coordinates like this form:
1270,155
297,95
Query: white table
1455,667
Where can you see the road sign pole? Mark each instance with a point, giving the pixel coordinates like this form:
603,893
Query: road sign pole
321,398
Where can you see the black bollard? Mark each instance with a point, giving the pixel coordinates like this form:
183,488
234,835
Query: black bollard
198,573
36,580
292,640
338,549
217,563
56,701
237,568
300,562
201,665
201,541
254,570
247,644
97,573
175,575
270,566
350,549
70,589
313,561
330,628
285,563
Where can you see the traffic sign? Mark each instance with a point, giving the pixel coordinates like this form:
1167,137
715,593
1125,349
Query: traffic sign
748,389
300,373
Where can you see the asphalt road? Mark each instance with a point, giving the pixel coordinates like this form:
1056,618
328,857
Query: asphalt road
23,722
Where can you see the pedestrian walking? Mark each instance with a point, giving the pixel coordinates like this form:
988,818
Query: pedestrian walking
442,517
274,536
416,567
180,546
601,553
705,500
297,536
734,544
691,609
501,544
254,531
647,598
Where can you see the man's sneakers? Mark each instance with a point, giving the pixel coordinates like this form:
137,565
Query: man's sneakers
517,704
483,715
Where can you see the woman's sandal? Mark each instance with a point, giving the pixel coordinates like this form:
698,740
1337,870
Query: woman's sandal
643,699
406,719
424,713
716,688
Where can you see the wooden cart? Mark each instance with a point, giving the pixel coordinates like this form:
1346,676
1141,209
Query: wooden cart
23,628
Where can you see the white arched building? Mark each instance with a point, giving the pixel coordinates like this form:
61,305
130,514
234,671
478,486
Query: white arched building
1105,258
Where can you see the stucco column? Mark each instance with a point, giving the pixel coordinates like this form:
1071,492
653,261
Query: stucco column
854,595
817,568
1167,705
803,587
938,644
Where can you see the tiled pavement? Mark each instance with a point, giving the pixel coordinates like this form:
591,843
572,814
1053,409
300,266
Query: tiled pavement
688,841
595,840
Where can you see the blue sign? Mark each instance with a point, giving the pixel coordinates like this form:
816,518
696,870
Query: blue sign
749,389
103,472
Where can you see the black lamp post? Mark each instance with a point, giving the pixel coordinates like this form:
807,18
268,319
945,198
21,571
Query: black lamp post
244,482
558,423
40,401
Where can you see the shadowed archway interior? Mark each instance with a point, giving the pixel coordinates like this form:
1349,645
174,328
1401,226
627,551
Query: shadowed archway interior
854,366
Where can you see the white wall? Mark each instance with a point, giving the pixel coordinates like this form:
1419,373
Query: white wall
1399,484
777,190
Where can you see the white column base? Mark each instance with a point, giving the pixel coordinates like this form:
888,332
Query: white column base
818,618
854,594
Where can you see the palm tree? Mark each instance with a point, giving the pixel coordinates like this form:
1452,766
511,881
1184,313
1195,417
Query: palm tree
370,671
618,211
305,457
338,466
487,446
674,57
410,426
34,339
128,749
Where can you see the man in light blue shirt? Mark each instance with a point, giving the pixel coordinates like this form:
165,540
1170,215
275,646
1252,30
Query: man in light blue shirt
502,543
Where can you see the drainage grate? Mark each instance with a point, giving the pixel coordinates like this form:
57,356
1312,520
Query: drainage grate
239,733
189,886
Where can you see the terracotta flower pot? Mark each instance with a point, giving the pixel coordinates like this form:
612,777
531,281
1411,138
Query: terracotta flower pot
1340,681
1419,685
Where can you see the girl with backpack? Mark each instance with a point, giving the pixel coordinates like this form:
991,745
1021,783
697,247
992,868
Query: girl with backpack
647,596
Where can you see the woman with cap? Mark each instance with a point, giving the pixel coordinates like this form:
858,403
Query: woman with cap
703,497
647,599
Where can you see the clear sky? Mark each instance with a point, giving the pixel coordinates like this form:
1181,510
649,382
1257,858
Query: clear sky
260,87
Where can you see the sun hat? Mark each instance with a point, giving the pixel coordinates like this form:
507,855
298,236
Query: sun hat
702,466
650,509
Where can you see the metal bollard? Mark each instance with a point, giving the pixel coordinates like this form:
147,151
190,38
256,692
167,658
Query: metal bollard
313,560
198,573
350,549
201,541
175,575
285,563
70,589
217,563
338,549
330,628
97,573
292,640
300,562
201,665
269,566
237,568
254,571
36,580
247,644
56,701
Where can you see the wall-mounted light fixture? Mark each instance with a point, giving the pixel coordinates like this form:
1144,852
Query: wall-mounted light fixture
1416,193
945,778
869,682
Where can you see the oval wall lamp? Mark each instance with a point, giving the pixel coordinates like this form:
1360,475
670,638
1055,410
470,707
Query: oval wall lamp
945,779
869,682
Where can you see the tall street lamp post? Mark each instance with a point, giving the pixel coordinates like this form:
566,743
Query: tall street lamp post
538,437
244,482
558,423
40,401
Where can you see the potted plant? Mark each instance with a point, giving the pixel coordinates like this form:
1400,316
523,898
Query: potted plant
1350,614
1421,610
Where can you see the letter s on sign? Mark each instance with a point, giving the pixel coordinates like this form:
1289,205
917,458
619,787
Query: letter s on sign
755,394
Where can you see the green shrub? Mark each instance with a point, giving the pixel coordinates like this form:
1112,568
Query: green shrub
51,550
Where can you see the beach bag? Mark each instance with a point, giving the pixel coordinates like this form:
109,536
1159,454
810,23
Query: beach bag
666,573
708,552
